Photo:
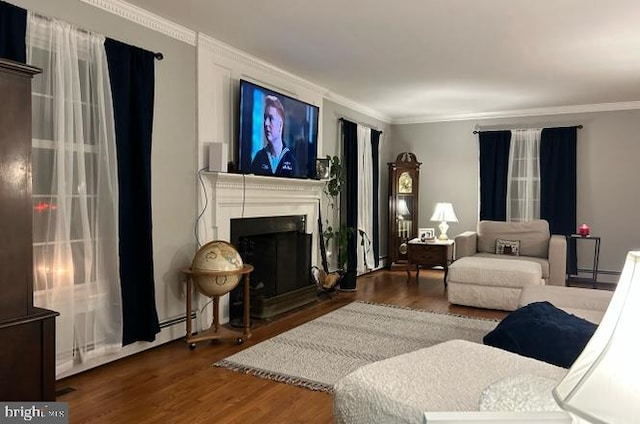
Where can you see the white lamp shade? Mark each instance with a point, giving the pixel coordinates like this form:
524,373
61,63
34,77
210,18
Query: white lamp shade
443,212
403,209
603,385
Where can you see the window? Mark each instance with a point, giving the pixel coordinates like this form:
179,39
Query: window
74,190
523,180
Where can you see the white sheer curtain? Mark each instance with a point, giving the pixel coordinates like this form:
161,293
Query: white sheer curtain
365,201
75,190
523,181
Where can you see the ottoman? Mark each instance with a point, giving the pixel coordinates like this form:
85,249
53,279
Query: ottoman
491,283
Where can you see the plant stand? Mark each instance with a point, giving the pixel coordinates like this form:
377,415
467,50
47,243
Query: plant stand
216,331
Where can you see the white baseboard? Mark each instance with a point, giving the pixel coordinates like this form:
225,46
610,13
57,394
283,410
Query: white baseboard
166,335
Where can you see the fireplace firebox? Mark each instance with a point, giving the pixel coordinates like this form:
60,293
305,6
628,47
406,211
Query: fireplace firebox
280,251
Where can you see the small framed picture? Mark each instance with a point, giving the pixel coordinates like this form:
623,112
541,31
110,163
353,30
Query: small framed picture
426,234
322,168
431,233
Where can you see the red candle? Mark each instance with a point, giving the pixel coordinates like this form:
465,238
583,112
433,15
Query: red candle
583,230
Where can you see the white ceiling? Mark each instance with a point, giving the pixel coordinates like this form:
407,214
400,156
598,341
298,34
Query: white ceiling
422,60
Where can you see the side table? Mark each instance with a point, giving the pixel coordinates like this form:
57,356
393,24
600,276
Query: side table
596,255
429,254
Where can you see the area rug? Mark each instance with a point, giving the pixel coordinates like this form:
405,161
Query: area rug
318,353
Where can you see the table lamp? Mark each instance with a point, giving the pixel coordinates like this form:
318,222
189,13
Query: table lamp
403,209
444,213
603,384
404,224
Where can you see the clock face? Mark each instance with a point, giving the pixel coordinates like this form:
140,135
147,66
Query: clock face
405,183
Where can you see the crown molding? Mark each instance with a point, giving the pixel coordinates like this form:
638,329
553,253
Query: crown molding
146,19
171,29
220,49
557,110
357,107
157,23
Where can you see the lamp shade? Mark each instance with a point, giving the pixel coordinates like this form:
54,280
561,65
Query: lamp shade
403,209
443,212
603,384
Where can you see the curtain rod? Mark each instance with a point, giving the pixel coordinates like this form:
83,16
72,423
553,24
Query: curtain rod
342,118
508,129
157,55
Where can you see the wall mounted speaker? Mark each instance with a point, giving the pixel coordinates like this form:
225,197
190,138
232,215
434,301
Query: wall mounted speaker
218,157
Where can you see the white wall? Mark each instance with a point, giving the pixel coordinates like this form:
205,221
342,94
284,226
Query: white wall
220,67
195,103
607,174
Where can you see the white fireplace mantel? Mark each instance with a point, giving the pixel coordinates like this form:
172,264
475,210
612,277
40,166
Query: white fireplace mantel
229,196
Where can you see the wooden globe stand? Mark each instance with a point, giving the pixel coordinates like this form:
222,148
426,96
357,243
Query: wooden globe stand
216,331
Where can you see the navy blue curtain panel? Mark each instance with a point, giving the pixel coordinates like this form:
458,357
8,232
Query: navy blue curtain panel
375,143
558,178
558,151
131,71
494,168
350,146
13,28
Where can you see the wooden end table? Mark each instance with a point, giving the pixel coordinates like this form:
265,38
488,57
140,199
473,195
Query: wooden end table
429,254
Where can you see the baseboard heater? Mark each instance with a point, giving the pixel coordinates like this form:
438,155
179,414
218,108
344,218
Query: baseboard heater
177,320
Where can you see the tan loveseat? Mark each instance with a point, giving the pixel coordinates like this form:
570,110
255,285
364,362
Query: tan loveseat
482,278
536,245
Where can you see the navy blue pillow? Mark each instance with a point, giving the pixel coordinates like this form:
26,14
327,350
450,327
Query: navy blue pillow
542,331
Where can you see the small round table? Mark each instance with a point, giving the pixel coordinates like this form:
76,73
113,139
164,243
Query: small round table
216,331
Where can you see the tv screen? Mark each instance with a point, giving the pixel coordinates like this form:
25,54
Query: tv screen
278,135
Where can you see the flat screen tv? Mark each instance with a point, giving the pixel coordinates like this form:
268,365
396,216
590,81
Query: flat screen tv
278,135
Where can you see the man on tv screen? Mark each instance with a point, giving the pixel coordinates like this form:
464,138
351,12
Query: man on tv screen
274,158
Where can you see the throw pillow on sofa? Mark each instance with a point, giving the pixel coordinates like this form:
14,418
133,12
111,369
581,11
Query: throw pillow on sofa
508,247
544,332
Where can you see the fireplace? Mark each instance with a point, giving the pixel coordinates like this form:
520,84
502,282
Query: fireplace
230,198
280,251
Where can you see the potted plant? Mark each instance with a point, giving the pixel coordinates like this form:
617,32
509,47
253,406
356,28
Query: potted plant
333,190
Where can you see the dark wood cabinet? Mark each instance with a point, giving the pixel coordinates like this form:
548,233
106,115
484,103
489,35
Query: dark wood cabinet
27,356
404,179
430,254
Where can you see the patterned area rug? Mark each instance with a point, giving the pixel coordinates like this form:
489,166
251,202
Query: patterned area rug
317,354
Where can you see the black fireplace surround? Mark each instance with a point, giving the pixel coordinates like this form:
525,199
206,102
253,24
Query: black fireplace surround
280,252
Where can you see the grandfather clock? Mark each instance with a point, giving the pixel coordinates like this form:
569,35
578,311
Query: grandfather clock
404,178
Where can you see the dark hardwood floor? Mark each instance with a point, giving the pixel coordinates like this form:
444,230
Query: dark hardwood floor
173,384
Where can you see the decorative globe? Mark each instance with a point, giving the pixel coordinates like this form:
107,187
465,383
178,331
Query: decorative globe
216,256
